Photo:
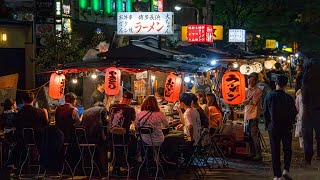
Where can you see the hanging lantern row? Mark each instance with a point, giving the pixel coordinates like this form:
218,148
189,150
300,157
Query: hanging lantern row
248,69
233,87
58,80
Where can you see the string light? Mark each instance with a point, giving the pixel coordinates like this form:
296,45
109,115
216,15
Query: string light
74,80
94,76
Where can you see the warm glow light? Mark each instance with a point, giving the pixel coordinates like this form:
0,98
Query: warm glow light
288,61
75,81
178,8
187,79
235,65
4,37
94,76
153,77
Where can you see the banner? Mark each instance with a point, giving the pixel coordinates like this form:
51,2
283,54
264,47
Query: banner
271,44
145,23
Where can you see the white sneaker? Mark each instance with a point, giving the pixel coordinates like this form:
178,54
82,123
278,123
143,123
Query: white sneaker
285,175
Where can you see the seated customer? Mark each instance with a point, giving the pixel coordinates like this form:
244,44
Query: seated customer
160,96
151,116
93,120
190,119
67,117
215,113
8,117
31,117
203,116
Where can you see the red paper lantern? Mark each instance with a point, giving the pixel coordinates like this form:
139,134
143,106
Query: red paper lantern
57,85
172,88
112,83
233,87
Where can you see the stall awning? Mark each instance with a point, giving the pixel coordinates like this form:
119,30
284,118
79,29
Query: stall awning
138,57
199,51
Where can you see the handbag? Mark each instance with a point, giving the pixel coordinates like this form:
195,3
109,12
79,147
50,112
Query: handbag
141,128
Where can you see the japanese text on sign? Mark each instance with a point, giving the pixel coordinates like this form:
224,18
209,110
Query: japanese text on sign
200,33
169,88
237,35
112,79
233,84
145,23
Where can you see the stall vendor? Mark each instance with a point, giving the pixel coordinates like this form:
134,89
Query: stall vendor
97,97
201,85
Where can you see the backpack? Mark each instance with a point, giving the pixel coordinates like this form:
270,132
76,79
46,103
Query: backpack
116,118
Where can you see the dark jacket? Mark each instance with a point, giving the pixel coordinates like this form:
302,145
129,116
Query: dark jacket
93,120
65,122
279,111
31,117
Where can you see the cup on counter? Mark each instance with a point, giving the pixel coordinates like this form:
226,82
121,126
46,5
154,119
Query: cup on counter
176,106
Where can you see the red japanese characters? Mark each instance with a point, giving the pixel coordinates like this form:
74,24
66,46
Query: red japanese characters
172,88
233,87
112,83
200,33
57,85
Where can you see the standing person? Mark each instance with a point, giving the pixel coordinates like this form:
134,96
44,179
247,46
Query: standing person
311,107
252,110
31,117
280,113
272,75
121,116
201,86
298,83
67,117
299,106
97,97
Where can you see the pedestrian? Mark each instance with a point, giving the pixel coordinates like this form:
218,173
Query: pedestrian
298,80
299,106
272,75
311,107
252,109
280,113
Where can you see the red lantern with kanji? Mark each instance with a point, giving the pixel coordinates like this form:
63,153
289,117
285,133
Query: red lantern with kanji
172,88
57,85
112,83
233,87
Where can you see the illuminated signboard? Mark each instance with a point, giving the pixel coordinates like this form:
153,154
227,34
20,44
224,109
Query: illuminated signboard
217,33
201,33
145,23
237,35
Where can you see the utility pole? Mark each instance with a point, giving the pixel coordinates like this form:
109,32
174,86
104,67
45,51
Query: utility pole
209,4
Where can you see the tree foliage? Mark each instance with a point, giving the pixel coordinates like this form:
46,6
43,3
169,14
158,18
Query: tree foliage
59,48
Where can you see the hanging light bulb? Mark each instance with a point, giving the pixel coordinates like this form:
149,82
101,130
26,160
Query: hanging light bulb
187,79
74,80
94,76
235,65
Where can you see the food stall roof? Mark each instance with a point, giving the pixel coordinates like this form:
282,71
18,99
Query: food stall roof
199,51
139,57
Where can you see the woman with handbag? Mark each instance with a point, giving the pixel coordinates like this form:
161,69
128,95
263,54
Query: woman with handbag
151,117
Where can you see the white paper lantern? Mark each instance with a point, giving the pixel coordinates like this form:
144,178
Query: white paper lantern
258,66
246,69
268,64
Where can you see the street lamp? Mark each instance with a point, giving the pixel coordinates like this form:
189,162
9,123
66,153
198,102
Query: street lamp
178,8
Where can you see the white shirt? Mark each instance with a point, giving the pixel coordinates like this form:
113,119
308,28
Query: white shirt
252,109
192,116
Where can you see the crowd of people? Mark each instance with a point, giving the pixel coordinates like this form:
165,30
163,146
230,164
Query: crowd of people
196,111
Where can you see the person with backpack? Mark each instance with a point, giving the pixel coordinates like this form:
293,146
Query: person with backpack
122,115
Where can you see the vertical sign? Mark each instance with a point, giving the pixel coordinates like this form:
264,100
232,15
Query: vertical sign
200,33
44,19
160,5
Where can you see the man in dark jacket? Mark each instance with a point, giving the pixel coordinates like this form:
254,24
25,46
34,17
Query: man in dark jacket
272,75
67,117
31,117
280,113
